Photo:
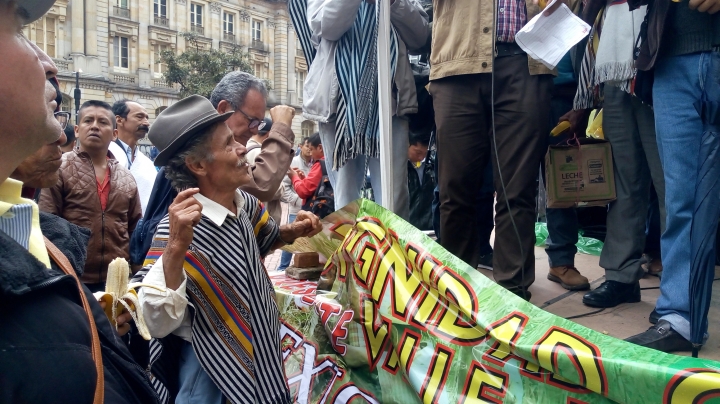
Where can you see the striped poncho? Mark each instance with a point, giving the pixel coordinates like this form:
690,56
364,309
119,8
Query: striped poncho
235,321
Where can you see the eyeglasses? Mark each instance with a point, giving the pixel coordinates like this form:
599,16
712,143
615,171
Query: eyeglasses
253,122
63,118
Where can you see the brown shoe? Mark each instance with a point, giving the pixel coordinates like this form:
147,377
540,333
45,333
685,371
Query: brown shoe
569,278
653,265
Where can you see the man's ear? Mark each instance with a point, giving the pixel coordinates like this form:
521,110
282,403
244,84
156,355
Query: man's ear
196,167
115,134
224,106
118,120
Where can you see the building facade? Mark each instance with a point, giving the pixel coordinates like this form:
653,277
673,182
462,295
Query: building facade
110,48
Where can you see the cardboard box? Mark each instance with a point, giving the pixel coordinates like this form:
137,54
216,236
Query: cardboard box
580,176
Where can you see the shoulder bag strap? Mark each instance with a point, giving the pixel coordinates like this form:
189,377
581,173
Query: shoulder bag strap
64,264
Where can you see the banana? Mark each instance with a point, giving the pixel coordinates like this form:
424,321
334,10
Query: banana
120,293
562,127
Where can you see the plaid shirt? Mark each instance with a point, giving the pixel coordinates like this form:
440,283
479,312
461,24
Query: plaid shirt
512,16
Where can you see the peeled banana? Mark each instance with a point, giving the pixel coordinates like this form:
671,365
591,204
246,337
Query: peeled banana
120,293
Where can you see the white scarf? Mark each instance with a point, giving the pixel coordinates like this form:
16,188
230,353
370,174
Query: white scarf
615,63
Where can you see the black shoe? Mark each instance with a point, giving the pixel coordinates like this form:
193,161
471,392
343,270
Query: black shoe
486,261
611,294
523,294
663,338
654,317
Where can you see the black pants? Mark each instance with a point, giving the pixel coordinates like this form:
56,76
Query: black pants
463,118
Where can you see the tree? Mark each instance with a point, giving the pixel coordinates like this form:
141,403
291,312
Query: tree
198,70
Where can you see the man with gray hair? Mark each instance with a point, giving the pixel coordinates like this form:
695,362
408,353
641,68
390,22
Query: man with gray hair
212,291
246,95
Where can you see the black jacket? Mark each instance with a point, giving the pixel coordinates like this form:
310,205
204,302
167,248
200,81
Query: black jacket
45,344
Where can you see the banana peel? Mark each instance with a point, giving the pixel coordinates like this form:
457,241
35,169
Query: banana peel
120,293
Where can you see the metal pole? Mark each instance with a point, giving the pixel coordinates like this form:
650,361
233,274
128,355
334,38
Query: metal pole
76,95
385,109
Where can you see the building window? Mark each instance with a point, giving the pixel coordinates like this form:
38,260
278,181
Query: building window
159,68
307,128
120,50
257,30
196,14
228,23
66,104
160,8
122,3
45,35
259,70
299,83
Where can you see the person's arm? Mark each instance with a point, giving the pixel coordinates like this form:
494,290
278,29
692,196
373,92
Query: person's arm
275,156
51,199
163,309
306,224
305,188
411,22
330,19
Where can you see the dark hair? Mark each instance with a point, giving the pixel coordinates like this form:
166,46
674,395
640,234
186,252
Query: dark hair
303,140
69,134
120,108
419,137
314,139
99,104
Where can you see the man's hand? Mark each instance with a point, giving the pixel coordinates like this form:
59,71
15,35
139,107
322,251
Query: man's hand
282,114
123,319
299,173
306,224
291,173
549,10
705,6
578,121
185,213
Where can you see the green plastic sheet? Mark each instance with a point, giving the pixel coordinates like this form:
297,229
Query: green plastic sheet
585,245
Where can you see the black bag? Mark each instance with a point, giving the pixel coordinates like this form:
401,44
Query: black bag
322,203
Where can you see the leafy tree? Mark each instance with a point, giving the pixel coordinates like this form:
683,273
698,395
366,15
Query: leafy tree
198,70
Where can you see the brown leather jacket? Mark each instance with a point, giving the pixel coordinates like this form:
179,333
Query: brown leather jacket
75,198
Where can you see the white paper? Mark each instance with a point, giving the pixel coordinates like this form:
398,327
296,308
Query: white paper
549,38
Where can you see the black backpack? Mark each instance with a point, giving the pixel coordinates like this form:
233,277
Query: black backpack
322,203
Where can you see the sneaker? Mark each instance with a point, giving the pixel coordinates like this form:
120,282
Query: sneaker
568,277
486,261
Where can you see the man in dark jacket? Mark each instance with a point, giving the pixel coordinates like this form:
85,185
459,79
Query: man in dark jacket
681,44
45,346
97,193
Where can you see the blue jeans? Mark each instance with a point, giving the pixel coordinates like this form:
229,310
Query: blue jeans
681,81
196,387
286,256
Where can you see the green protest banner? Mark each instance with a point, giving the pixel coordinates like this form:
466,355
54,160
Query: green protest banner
397,319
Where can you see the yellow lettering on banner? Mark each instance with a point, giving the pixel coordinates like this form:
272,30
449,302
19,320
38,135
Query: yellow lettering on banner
405,280
367,258
483,381
692,386
373,228
342,266
426,308
437,374
451,326
375,334
351,241
583,355
505,332
388,260
408,347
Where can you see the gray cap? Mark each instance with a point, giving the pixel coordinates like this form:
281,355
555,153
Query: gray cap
35,8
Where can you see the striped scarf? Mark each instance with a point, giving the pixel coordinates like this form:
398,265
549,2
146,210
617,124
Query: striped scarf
357,123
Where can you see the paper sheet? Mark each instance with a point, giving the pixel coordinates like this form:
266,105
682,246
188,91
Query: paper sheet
549,38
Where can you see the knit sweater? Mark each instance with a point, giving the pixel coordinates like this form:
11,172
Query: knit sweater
688,31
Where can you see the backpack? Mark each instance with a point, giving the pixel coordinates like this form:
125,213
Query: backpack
322,203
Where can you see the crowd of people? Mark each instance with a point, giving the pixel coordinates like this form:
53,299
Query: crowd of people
469,134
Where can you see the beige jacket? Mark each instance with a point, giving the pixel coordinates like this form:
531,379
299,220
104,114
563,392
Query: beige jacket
462,38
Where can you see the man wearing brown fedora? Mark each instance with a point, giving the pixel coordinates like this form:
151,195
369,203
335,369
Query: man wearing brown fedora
213,293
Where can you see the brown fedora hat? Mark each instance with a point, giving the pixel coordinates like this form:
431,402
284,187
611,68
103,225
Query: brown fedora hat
179,123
